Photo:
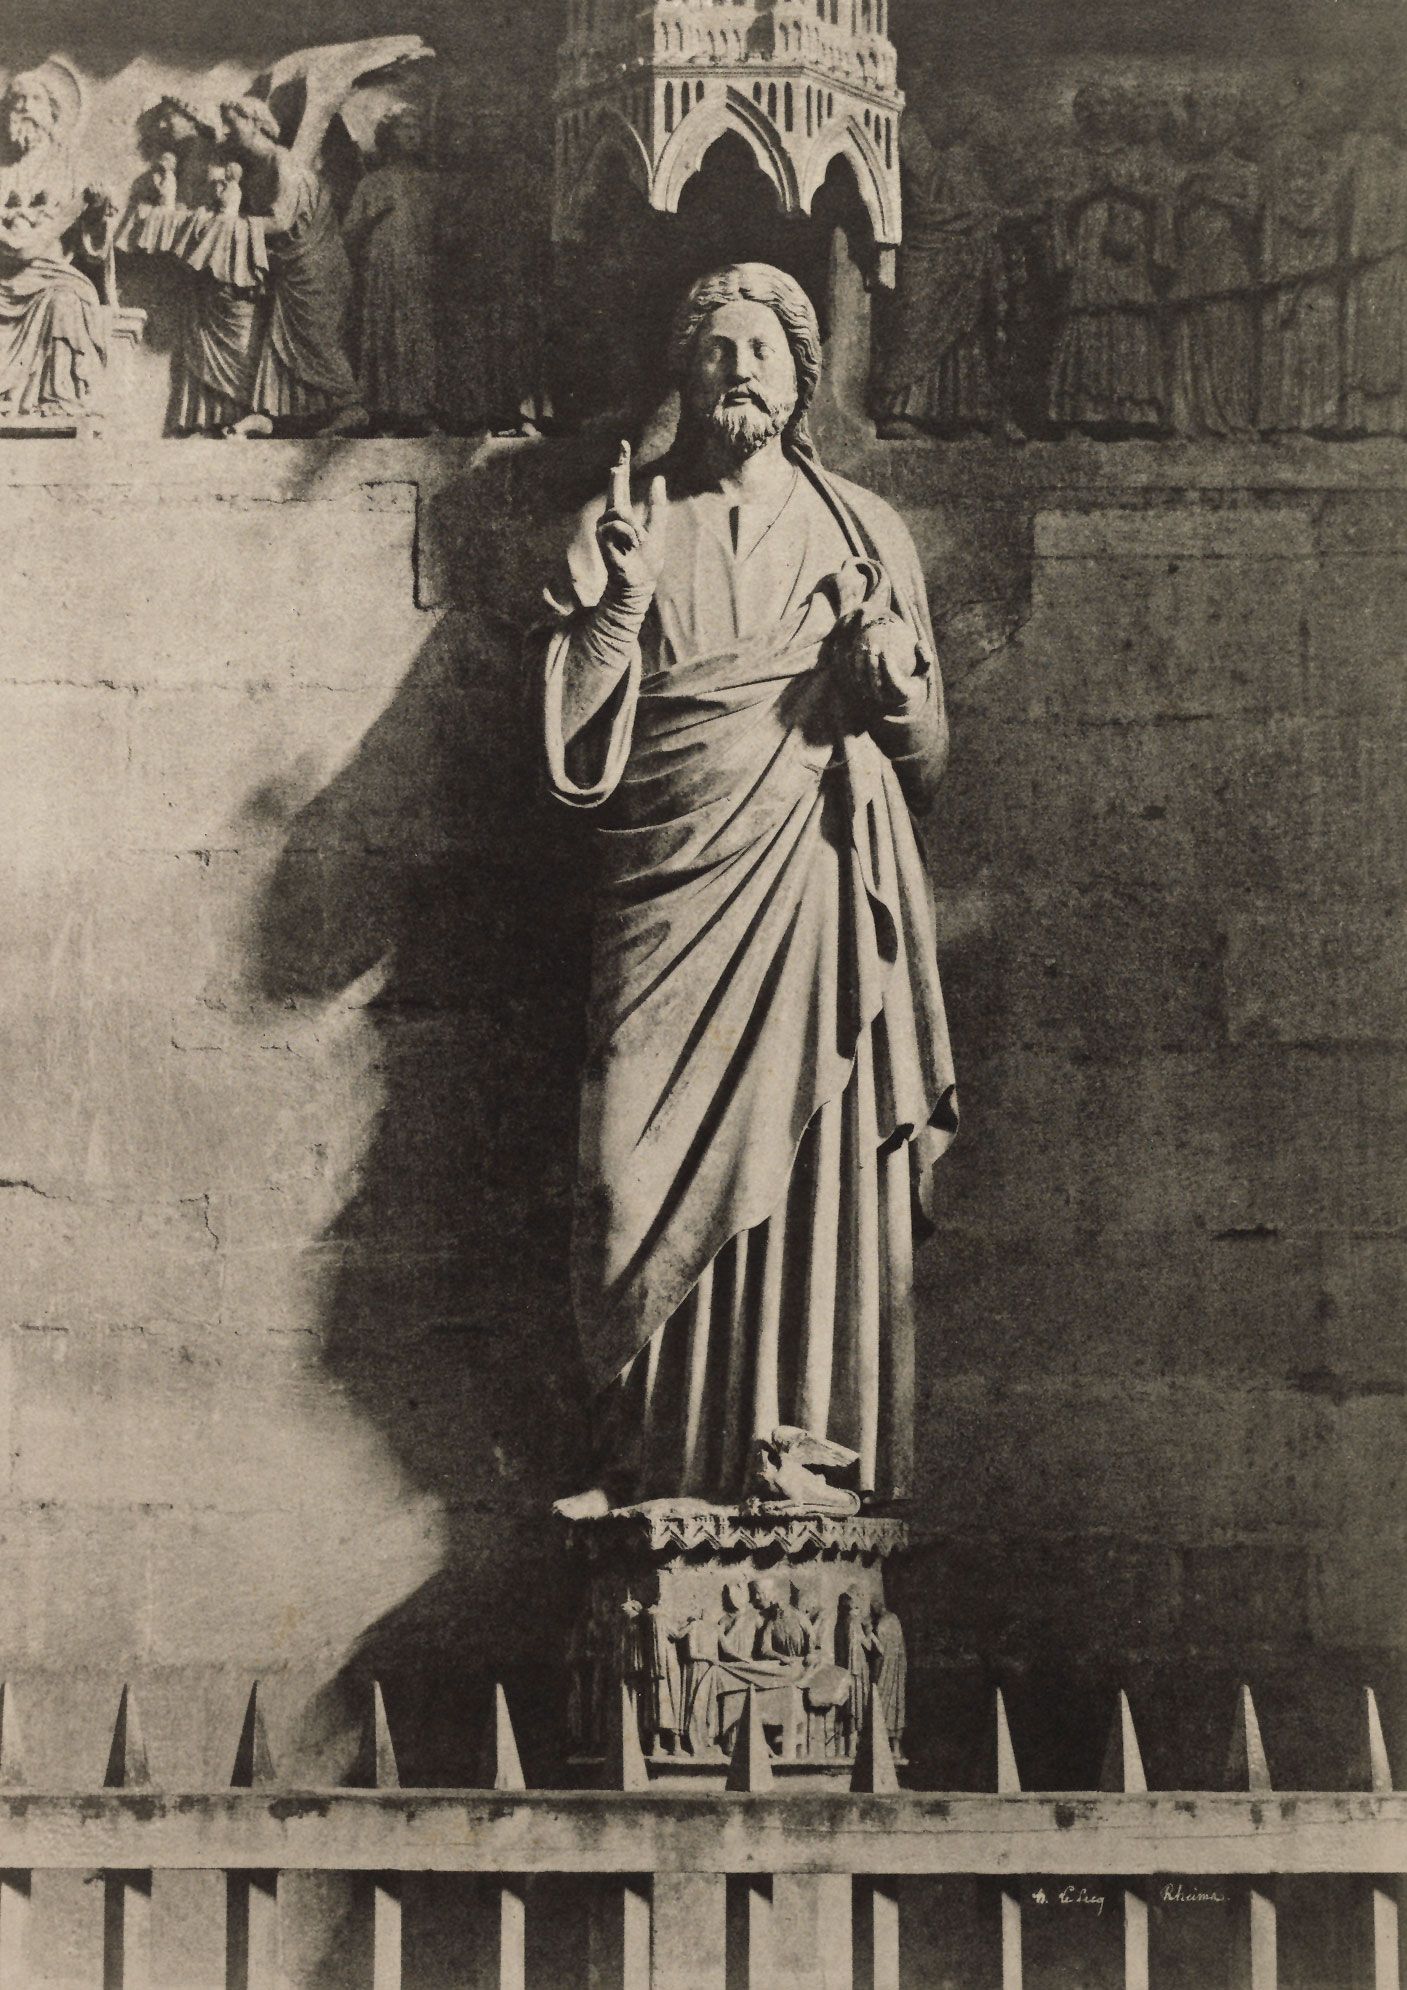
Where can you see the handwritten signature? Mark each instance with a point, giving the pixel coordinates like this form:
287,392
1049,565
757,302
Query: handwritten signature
1172,1893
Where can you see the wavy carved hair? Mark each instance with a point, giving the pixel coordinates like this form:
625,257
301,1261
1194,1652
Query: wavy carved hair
258,114
751,283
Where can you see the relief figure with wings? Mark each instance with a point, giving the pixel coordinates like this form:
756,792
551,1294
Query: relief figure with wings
264,341
303,369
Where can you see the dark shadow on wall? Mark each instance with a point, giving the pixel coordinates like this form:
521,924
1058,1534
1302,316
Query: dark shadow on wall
431,866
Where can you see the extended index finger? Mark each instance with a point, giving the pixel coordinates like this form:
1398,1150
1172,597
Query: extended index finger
618,488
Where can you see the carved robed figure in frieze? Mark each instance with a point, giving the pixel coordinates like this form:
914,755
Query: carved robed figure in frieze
264,336
941,364
1307,175
1376,315
1113,237
1217,233
390,231
52,334
742,687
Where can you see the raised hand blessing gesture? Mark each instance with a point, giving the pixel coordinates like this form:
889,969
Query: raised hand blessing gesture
632,540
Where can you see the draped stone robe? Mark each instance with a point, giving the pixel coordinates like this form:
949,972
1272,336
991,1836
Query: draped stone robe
768,1073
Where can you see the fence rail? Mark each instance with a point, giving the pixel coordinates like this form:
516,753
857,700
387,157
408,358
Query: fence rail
664,1859
597,1831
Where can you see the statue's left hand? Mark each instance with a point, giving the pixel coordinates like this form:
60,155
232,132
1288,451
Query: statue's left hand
883,660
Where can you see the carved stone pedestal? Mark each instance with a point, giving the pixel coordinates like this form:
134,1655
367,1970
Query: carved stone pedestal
690,1605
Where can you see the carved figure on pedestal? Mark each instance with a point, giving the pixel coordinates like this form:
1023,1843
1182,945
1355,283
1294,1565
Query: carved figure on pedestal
742,1623
52,347
663,1682
632,1660
699,1646
889,1667
947,312
1217,227
390,231
738,1636
768,1079
1302,315
1113,235
853,1646
1376,359
301,366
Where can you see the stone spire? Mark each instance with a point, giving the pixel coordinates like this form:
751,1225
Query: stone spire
643,92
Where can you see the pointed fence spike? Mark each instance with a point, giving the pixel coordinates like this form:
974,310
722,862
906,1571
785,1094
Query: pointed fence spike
11,1758
1008,1780
376,1767
751,1767
501,1766
1123,1759
1246,1766
253,1765
127,1767
874,1773
626,1768
1376,1770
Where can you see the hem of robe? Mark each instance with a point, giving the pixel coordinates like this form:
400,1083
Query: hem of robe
640,1429
929,1139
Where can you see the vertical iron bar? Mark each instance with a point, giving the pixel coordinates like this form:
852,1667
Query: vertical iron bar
14,1930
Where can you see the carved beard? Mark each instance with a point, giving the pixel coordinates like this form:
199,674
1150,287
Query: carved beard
747,426
26,133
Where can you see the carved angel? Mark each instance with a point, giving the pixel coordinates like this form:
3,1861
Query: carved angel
280,134
787,1469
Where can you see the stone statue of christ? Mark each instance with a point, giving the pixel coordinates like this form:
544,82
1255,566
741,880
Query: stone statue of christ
743,686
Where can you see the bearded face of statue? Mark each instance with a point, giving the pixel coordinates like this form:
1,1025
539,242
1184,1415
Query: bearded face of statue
29,117
742,384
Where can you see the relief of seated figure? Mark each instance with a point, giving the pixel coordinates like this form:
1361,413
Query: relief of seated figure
52,349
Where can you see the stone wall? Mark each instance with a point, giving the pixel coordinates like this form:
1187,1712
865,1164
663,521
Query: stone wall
295,974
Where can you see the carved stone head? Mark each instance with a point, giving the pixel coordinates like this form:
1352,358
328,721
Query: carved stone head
1095,110
1143,112
745,350
31,113
177,123
1211,118
250,127
401,134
